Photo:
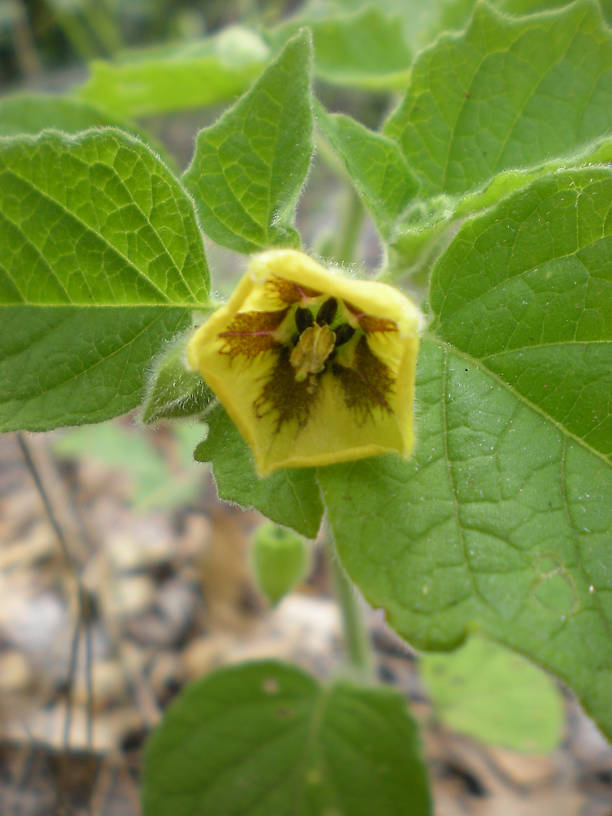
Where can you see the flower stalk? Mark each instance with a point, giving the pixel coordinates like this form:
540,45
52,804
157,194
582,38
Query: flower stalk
356,638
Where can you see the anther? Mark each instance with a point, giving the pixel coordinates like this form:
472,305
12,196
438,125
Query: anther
327,312
303,319
343,333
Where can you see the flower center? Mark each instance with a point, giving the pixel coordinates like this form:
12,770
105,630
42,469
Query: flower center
312,350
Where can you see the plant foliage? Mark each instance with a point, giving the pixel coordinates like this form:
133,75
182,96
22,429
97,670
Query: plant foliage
490,186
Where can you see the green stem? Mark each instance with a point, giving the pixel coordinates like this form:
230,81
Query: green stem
356,638
77,33
105,27
349,228
25,48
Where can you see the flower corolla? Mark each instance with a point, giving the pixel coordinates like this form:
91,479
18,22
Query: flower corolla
313,367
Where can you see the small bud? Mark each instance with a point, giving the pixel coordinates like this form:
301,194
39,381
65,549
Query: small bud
280,560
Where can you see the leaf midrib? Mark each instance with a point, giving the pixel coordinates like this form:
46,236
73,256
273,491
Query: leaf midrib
552,344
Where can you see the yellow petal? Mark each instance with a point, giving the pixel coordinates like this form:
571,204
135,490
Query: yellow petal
360,404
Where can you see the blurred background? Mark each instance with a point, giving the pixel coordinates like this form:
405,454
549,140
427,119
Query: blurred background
122,576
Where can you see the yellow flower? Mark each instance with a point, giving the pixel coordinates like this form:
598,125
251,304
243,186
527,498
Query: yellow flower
312,367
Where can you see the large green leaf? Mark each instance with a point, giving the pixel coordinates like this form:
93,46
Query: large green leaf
249,167
102,261
157,80
265,738
501,520
366,50
534,304
507,93
288,497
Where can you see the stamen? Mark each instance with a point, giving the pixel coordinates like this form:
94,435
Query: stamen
327,312
310,354
343,333
303,319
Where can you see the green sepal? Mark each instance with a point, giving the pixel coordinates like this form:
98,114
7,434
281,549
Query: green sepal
173,391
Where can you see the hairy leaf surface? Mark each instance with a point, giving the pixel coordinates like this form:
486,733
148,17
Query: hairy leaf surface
501,520
102,262
249,167
375,165
507,93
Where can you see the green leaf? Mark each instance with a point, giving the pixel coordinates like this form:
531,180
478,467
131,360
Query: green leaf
174,391
426,227
375,165
456,15
280,560
365,50
534,305
249,167
501,520
289,497
507,93
414,18
487,692
102,263
31,113
423,22
196,74
265,738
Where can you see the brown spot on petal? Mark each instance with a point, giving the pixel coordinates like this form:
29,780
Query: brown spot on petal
250,333
371,324
281,395
287,291
367,384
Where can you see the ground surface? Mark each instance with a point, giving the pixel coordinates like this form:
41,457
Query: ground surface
165,596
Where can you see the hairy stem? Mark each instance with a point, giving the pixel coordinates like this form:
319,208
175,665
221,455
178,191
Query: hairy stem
356,638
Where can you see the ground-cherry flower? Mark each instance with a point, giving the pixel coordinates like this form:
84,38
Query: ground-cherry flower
313,367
